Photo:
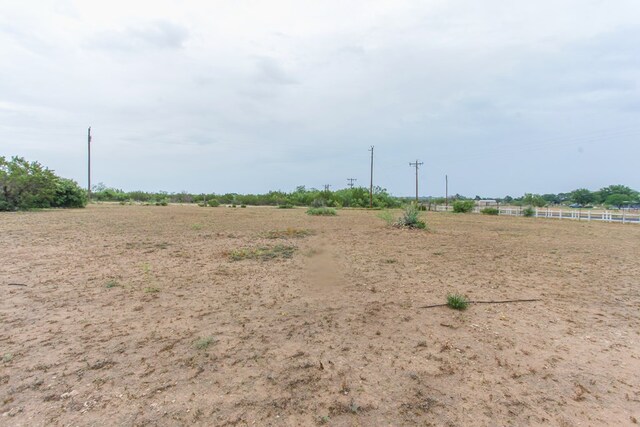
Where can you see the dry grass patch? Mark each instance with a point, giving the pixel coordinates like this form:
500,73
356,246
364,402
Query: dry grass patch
263,253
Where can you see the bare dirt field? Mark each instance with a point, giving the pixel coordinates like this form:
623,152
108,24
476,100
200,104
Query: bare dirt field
137,315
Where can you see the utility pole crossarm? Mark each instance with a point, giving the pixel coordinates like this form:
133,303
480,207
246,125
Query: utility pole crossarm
351,180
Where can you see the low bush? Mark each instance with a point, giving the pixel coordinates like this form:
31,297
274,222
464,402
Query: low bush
322,211
463,206
528,211
489,211
214,203
285,206
411,218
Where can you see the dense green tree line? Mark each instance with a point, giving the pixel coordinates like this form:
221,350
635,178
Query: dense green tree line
348,197
29,185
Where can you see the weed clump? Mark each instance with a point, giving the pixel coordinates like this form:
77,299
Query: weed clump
387,217
411,218
322,211
203,343
457,301
111,284
285,206
264,253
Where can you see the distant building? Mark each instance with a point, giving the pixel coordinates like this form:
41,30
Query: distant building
486,202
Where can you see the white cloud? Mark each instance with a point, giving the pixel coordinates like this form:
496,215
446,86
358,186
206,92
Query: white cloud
213,87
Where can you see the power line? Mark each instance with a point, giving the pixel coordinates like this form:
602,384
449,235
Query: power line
351,180
416,164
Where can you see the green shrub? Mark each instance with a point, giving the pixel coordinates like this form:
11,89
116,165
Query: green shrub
411,217
463,206
161,202
457,301
285,206
214,203
528,211
489,211
324,211
69,194
243,206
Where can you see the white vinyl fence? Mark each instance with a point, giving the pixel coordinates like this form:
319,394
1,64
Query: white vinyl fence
620,216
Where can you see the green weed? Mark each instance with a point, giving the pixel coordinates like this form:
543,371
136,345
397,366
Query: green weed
387,217
457,301
203,343
111,284
411,218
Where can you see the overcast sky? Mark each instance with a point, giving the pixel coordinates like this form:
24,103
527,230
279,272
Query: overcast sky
504,96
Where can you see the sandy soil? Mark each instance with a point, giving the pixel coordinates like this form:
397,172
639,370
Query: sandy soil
135,315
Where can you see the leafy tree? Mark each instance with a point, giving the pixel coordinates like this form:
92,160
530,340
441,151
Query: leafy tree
29,185
582,196
618,199
605,192
533,200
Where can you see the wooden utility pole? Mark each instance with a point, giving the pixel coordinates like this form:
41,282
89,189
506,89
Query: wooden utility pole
89,164
371,182
446,192
351,181
416,164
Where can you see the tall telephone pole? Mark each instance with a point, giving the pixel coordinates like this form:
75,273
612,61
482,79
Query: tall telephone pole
416,164
89,164
326,187
351,181
446,191
371,182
